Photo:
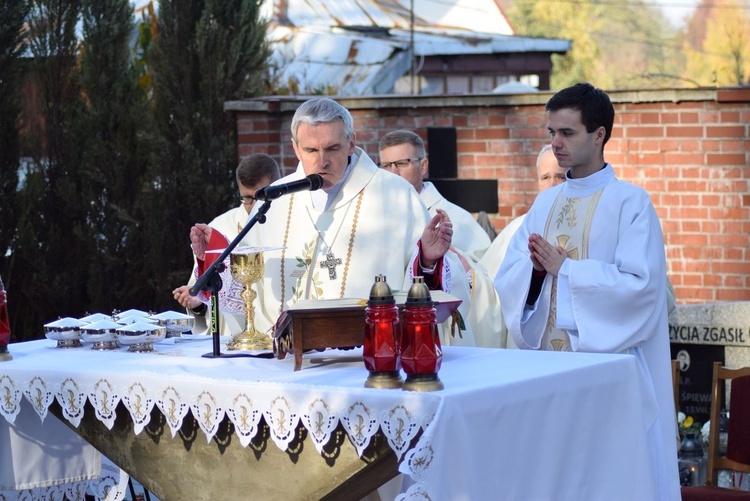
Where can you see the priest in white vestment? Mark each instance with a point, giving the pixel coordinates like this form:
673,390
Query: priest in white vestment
403,152
332,243
549,174
253,172
586,270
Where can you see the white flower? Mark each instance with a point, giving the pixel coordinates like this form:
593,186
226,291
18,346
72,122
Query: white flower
680,418
705,430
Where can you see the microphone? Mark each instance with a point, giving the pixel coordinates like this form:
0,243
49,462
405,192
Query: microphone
311,182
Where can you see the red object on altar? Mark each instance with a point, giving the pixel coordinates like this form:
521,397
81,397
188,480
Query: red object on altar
4,323
381,352
421,353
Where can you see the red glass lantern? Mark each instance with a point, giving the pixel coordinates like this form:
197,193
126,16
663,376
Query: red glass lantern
381,350
4,325
421,353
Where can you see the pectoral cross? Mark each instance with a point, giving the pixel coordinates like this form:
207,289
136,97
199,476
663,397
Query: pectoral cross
331,262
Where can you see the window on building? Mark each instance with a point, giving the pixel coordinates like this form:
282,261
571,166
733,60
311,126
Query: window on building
482,84
458,84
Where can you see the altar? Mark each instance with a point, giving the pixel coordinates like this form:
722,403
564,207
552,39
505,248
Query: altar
509,424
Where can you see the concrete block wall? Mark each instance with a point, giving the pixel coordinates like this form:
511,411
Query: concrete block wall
689,148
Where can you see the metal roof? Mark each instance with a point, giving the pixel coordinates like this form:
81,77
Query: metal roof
317,59
361,47
475,15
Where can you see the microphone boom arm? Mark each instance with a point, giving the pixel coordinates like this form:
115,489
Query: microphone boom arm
206,281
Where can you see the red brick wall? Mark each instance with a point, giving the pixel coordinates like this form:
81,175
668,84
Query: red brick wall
690,149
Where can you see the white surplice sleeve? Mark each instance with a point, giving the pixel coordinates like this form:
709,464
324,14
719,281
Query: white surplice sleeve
525,325
613,301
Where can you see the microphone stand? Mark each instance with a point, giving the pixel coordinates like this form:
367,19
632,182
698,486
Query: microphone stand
211,282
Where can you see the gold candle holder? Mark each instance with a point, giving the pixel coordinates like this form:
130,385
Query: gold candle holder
247,269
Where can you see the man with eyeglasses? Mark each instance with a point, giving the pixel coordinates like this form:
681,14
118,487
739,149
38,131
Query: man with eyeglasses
253,172
402,152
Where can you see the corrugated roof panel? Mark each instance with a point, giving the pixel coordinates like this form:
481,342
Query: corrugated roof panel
321,13
475,15
387,14
335,48
347,79
352,13
346,49
451,42
306,13
318,60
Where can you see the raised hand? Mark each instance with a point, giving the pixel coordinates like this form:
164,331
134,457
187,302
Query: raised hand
199,236
436,238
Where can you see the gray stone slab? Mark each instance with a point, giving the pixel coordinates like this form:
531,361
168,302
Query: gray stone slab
724,324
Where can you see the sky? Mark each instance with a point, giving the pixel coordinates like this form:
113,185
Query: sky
677,11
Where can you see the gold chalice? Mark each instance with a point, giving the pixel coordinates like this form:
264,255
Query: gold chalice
247,269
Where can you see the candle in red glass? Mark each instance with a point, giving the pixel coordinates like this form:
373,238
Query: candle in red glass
421,353
4,325
381,350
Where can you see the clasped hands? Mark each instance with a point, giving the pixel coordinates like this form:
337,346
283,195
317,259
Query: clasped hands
545,256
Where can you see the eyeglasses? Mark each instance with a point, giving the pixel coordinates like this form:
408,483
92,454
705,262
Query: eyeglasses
248,199
400,164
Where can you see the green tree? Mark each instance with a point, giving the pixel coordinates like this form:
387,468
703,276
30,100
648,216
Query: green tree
118,127
718,45
12,15
204,53
575,21
639,49
614,45
51,248
129,147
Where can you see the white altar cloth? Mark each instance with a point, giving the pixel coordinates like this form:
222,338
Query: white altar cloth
510,424
44,458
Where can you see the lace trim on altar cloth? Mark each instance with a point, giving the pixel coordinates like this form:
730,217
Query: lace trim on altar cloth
75,492
112,485
320,415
